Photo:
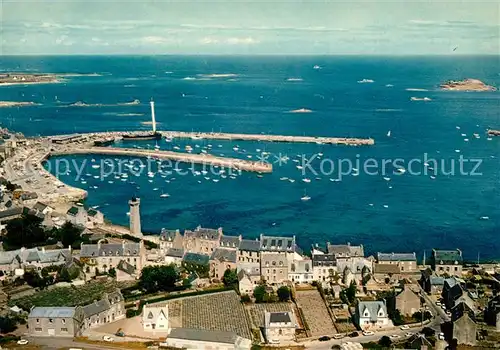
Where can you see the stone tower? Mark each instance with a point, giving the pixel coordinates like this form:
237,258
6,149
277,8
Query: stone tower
135,216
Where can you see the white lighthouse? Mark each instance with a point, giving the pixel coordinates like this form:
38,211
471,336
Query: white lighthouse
135,217
153,120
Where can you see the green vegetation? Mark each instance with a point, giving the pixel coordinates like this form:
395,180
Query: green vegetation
349,295
283,293
68,235
262,296
200,269
385,342
230,278
158,278
147,244
7,324
64,296
417,316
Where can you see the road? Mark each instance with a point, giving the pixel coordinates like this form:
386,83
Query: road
58,343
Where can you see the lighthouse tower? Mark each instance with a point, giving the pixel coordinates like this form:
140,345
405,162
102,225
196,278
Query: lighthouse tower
153,119
135,217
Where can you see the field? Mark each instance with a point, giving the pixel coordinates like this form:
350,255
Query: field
65,296
219,311
257,311
317,317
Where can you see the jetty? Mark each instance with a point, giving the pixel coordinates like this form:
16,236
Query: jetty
270,138
492,132
205,159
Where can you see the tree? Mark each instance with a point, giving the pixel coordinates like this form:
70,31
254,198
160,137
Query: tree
397,318
259,293
186,283
351,292
7,324
25,231
428,332
158,278
230,277
69,234
63,275
112,272
284,293
33,279
385,341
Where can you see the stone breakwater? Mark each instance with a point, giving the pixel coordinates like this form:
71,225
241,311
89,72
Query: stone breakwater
233,163
271,138
494,132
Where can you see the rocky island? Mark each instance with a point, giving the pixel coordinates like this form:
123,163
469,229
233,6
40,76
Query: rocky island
16,104
467,85
23,78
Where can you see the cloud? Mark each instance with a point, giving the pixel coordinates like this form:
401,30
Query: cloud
154,40
229,41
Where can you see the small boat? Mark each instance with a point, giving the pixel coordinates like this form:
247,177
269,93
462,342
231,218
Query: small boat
316,67
235,149
466,140
95,166
387,178
155,189
432,177
484,218
215,180
386,206
300,167
165,195
401,170
291,180
305,197
389,133
283,178
489,139
176,147
306,180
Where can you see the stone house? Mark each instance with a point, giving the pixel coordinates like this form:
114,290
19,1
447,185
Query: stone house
492,312
407,302
274,267
202,240
55,321
431,283
230,242
381,272
174,256
196,262
464,325
249,251
126,272
300,271
351,257
104,256
170,239
32,258
109,308
155,317
221,260
407,262
452,290
324,267
279,327
372,315
447,262
245,283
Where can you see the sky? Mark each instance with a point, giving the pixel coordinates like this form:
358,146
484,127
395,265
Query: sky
397,27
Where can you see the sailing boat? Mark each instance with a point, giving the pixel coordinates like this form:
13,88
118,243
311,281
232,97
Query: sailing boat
389,133
164,195
305,197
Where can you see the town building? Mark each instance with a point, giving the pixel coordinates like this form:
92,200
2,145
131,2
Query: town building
155,317
279,327
200,339
174,256
452,290
301,271
408,302
350,259
230,242
202,240
170,239
275,254
88,218
249,251
492,312
447,262
407,262
324,267
464,325
248,277
372,315
55,321
383,272
16,261
104,256
221,260
108,309
431,283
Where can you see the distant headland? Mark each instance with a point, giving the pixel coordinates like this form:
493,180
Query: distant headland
467,85
23,78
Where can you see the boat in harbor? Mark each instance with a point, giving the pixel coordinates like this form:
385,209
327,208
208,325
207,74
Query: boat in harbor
153,135
305,197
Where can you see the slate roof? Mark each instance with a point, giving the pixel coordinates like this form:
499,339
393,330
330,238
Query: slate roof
249,245
72,211
460,310
447,257
10,212
195,258
275,243
152,311
204,233
252,269
345,250
301,266
282,317
39,206
396,257
52,312
126,267
34,255
222,254
230,241
324,260
168,235
436,281
110,249
175,252
203,335
386,269
373,308
96,307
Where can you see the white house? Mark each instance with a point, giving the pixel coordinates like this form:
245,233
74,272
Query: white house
155,317
372,315
279,327
301,271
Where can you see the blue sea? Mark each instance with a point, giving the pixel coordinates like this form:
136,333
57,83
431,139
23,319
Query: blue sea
348,96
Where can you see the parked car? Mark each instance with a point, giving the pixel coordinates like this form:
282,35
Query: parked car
395,336
324,338
339,336
441,336
409,334
22,342
353,334
438,303
107,338
405,327
367,333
